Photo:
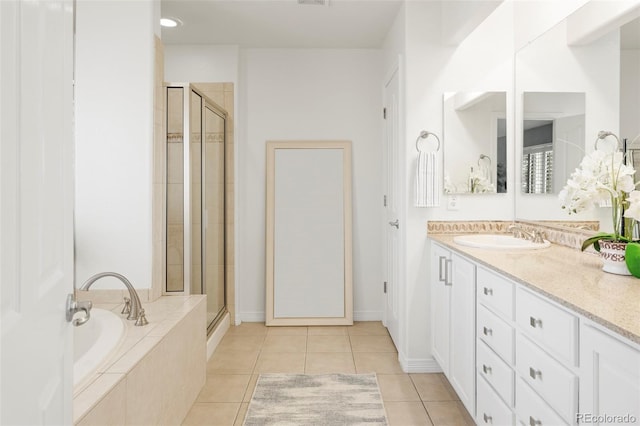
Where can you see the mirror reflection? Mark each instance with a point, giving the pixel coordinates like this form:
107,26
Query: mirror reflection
475,159
553,140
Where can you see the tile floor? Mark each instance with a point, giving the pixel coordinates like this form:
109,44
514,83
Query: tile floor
251,349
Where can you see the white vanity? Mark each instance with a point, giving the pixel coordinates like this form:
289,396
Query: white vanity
540,337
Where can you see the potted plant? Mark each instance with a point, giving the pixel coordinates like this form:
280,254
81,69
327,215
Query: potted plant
603,178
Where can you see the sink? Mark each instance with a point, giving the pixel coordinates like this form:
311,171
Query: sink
498,242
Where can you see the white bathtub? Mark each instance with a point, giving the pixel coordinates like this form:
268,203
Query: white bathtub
95,342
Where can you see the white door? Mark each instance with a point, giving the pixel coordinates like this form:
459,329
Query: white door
391,266
36,211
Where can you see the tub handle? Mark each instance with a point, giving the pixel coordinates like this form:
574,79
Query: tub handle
73,307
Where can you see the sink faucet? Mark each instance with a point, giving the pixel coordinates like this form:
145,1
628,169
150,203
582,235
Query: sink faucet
136,312
535,236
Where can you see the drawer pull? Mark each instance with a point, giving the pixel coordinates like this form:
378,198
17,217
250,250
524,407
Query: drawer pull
486,369
487,419
487,331
534,322
488,291
534,422
534,373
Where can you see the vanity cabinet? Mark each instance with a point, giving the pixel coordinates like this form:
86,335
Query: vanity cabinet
609,378
536,362
453,317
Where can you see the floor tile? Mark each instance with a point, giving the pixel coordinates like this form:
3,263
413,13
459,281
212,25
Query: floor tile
374,328
224,388
247,328
367,343
284,343
211,413
431,387
232,362
397,387
406,414
448,413
287,331
448,386
241,343
328,344
327,363
381,363
242,412
250,388
280,362
327,331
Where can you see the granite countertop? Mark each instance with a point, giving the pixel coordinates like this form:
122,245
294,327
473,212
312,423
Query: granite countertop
570,277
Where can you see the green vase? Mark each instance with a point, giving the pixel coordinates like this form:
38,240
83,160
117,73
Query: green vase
632,258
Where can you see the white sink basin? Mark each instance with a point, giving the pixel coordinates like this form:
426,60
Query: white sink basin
498,242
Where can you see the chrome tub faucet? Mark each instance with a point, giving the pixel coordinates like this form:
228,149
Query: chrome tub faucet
135,311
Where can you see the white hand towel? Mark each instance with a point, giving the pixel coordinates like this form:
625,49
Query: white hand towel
427,185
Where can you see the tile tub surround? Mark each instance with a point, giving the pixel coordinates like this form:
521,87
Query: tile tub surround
570,277
152,378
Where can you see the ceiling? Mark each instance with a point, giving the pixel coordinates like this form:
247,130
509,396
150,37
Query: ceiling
280,23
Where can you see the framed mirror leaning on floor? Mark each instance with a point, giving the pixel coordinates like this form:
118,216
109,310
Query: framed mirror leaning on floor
308,233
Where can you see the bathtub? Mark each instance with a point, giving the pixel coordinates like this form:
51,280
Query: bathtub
95,342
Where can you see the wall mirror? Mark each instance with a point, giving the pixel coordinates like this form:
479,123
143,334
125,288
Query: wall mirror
553,139
475,159
308,240
601,66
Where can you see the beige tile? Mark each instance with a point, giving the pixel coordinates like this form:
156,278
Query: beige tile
240,343
110,410
406,414
397,387
381,363
448,413
232,362
242,413
326,363
224,388
248,328
98,389
133,356
327,331
374,328
287,331
367,343
328,344
212,413
280,362
284,344
250,388
448,386
431,387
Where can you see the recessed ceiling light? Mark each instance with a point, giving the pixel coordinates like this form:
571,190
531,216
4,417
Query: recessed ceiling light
170,22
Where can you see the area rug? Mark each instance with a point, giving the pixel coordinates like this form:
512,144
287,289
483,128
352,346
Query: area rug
301,399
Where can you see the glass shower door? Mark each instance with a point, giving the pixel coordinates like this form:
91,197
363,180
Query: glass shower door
213,216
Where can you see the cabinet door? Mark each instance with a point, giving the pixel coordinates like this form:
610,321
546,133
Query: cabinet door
440,305
610,379
463,314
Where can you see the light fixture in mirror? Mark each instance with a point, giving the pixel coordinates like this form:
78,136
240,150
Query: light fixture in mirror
475,159
553,139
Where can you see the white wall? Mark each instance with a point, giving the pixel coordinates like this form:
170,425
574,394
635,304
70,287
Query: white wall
630,94
200,63
311,94
114,133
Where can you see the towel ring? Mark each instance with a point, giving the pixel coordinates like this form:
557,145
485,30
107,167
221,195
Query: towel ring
602,134
484,157
423,135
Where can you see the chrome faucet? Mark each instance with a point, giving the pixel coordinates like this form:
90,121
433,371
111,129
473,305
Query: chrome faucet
535,236
135,312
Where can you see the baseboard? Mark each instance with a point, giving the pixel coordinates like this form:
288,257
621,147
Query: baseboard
418,365
218,334
357,316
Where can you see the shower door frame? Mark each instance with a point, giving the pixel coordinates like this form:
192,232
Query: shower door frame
206,102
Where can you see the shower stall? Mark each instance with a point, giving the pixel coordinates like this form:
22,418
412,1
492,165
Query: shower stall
195,198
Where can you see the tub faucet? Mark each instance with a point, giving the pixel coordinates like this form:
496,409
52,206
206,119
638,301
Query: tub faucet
136,312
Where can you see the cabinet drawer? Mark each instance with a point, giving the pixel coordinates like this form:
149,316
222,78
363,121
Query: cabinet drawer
550,326
531,410
491,410
496,292
496,372
496,333
557,385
